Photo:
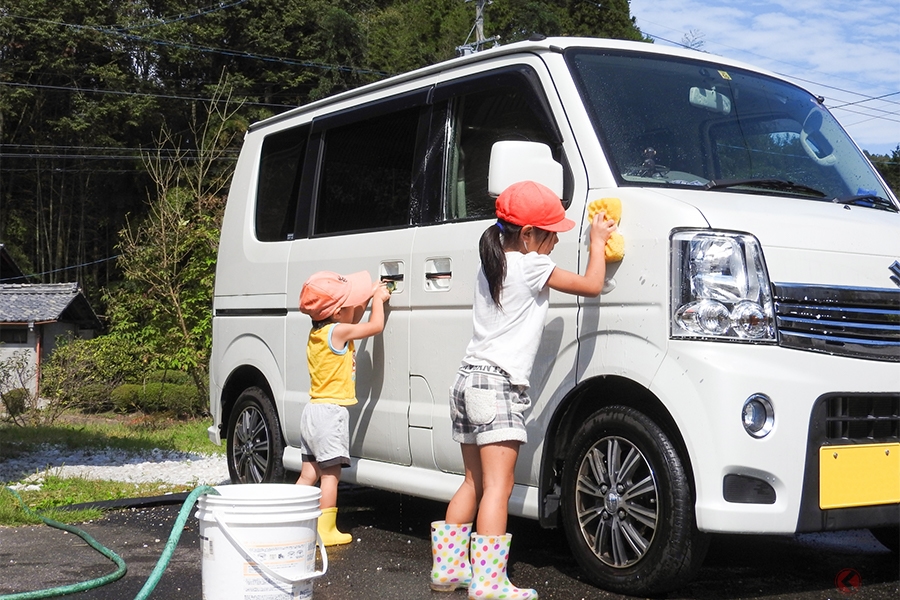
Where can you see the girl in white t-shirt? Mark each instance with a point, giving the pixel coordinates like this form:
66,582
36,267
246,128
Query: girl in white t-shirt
489,396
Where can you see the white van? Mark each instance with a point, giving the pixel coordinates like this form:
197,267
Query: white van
739,373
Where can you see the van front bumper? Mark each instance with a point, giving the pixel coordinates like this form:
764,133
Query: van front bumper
779,483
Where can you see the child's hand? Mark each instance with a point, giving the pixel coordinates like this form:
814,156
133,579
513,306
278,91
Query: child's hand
601,228
380,292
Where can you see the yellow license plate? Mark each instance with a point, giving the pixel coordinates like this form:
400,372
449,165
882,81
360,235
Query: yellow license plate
860,475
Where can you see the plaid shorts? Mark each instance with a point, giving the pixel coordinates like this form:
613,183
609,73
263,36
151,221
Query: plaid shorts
486,408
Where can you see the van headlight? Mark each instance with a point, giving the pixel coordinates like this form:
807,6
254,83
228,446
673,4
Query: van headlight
720,288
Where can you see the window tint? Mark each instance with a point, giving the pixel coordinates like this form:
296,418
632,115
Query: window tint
367,173
504,107
279,181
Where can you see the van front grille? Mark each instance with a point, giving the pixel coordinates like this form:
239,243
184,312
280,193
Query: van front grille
844,321
863,418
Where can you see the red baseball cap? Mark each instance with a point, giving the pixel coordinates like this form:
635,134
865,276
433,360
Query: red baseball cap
325,292
531,203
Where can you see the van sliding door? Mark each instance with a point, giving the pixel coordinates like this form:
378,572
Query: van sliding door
361,192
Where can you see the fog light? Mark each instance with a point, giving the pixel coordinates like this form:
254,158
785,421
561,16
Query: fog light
757,416
749,320
706,317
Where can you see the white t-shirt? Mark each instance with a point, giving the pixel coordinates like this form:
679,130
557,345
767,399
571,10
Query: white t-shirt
508,336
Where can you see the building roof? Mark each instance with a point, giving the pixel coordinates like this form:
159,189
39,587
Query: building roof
9,270
47,302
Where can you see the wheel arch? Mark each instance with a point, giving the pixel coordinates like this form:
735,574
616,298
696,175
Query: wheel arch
575,409
241,378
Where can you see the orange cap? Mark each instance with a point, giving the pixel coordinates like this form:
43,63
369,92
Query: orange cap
531,203
325,292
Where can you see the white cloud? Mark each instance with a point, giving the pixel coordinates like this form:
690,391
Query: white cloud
846,51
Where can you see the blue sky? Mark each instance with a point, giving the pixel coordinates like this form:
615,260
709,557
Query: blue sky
847,51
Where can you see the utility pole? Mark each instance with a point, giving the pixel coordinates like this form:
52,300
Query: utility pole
480,41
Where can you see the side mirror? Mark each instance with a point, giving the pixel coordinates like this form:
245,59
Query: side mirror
513,161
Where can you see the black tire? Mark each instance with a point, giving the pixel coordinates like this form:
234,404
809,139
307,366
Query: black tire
255,445
888,536
627,505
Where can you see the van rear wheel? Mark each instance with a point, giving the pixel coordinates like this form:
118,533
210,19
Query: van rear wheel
627,505
255,445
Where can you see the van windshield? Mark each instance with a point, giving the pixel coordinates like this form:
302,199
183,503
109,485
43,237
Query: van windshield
677,122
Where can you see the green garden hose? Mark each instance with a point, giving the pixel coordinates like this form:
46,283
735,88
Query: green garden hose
155,575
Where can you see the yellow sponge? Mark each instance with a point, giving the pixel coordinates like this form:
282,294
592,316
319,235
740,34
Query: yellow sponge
615,245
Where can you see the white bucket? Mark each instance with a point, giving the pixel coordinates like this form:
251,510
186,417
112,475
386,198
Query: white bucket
259,542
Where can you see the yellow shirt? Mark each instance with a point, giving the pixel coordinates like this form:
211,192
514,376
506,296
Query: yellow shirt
332,371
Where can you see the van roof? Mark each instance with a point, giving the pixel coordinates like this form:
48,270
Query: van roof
550,44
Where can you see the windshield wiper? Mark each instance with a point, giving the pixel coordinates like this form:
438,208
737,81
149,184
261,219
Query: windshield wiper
868,200
781,185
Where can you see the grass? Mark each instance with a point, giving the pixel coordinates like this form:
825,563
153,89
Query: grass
76,431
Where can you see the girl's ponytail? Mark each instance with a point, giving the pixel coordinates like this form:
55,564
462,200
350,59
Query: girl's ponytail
493,255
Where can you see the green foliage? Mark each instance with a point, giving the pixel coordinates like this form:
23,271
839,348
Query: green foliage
15,401
82,373
169,376
889,167
126,432
171,399
17,383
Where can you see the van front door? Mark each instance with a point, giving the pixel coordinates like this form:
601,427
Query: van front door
502,104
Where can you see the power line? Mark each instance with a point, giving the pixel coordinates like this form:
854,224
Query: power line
185,16
139,94
867,100
87,264
210,50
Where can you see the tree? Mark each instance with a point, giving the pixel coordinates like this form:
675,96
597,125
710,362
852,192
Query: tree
57,203
168,258
889,167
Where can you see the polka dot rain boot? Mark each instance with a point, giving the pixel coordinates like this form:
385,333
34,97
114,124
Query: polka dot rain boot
450,566
490,556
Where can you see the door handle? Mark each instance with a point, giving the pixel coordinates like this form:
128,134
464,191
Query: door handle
438,274
391,274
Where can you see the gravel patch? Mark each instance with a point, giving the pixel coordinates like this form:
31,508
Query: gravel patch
164,466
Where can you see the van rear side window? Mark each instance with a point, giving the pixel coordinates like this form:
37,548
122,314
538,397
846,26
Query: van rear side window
278,184
367,173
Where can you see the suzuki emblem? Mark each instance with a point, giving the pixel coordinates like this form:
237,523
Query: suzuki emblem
895,269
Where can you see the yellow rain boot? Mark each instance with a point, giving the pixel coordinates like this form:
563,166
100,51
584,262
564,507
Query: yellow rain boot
328,528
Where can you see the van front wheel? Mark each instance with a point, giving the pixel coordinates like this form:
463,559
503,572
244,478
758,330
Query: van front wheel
255,445
627,506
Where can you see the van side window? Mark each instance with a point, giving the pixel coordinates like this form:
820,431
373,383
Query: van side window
503,107
279,181
366,174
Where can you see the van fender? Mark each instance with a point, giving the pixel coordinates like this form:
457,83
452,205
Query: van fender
623,369
250,351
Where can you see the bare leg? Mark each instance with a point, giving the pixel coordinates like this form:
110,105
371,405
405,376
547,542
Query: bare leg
309,474
499,462
328,485
465,501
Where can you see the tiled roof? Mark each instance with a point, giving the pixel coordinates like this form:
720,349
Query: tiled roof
24,303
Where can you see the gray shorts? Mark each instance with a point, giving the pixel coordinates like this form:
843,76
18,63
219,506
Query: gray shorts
486,408
325,434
